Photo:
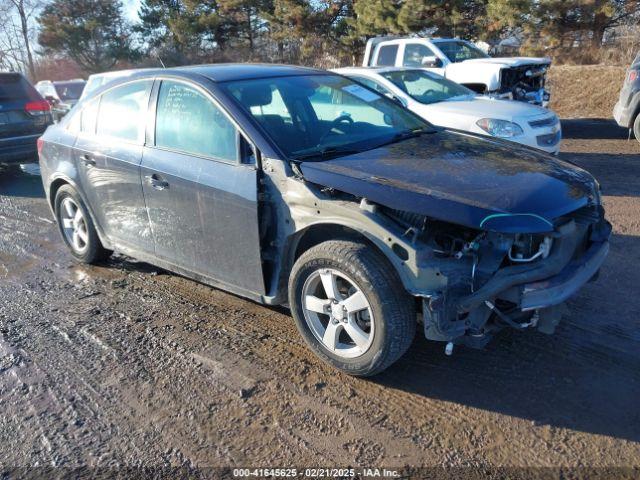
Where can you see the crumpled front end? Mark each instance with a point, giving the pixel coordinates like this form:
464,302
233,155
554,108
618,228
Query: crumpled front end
525,83
495,280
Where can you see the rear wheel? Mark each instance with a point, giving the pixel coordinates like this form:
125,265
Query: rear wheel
636,127
350,307
77,228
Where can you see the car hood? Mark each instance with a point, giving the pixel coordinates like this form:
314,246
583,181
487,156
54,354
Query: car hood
462,178
484,107
512,61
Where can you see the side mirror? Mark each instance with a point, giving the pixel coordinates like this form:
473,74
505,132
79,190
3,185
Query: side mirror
431,61
51,99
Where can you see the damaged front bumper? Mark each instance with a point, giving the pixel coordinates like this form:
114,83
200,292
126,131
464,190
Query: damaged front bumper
521,295
539,96
555,290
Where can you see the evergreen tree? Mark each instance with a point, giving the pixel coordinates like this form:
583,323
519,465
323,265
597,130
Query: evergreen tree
464,18
91,32
562,23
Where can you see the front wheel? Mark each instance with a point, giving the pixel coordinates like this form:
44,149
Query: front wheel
350,307
636,127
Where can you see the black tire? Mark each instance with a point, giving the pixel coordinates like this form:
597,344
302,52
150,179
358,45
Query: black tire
636,127
94,251
393,309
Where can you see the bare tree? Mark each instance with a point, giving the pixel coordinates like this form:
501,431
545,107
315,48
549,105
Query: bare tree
16,32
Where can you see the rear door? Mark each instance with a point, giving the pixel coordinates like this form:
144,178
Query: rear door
24,115
201,197
108,154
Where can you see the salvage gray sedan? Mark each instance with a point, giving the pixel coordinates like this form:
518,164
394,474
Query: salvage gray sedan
294,185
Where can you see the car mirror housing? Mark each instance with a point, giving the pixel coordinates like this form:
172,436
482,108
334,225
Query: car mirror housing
431,61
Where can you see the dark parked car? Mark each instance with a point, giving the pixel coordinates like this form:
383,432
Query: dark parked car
61,95
24,116
627,110
294,185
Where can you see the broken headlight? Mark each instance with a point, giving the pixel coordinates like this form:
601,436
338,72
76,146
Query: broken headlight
527,248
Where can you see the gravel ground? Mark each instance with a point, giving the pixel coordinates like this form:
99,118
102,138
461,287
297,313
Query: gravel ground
127,365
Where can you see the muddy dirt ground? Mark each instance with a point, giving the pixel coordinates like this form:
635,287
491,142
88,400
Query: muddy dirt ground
124,364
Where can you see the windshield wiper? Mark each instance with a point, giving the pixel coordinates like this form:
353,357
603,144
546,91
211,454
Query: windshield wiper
329,152
406,134
415,132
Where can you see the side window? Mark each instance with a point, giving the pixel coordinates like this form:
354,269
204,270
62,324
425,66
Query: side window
372,84
188,121
387,55
123,111
414,53
88,116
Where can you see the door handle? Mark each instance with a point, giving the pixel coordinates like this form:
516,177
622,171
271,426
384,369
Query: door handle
87,161
156,182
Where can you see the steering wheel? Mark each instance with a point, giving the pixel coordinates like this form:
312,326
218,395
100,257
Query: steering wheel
341,119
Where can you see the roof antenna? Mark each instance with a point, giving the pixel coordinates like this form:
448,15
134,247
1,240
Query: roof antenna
160,60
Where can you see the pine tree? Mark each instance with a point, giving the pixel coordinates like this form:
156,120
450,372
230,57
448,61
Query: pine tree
91,32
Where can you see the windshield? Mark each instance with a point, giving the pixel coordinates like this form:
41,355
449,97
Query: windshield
69,90
426,87
458,51
317,115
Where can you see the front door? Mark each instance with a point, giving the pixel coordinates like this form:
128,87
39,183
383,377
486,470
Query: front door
201,198
108,153
415,54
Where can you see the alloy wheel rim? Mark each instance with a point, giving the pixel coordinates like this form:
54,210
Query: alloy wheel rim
74,225
338,313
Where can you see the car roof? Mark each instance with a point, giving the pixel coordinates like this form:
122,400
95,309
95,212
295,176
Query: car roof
374,69
118,73
439,40
5,72
222,72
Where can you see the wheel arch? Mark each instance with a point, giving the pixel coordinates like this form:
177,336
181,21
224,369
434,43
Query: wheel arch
318,232
55,185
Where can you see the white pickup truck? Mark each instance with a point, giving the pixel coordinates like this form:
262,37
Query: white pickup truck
516,78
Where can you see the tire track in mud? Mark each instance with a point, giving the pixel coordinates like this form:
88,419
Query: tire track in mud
386,409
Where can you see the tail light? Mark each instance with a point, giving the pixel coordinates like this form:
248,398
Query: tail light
632,76
39,107
40,144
